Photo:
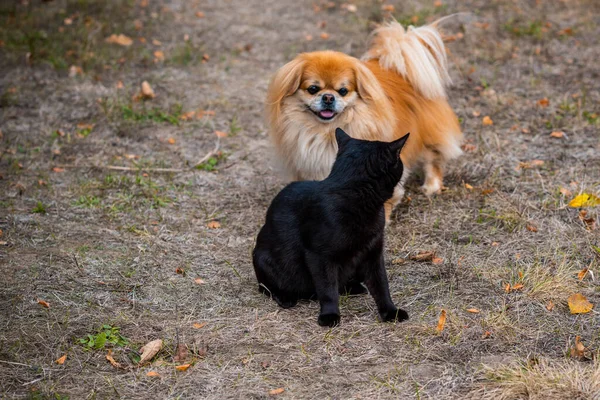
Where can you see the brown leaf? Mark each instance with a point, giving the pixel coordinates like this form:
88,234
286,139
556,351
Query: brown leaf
221,134
205,57
61,360
171,140
507,288
486,334
112,361
469,148
388,7
518,286
557,134
437,260
156,42
179,271
58,169
582,274
153,374
578,304
531,228
275,392
182,367
213,225
565,32
441,321
150,350
199,325
588,222
543,102
550,305
578,350
199,281
468,187
423,256
120,39
487,120
473,310
308,38
200,14
565,192
181,353
43,303
324,35
147,92
159,55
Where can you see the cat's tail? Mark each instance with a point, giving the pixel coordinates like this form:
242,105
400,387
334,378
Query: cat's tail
417,54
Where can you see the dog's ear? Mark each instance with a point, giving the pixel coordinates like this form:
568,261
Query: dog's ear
397,145
286,81
367,84
342,138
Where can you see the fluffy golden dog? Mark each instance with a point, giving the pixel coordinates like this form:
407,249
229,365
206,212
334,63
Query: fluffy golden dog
397,87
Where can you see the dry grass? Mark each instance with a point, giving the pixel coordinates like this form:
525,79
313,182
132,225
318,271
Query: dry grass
124,248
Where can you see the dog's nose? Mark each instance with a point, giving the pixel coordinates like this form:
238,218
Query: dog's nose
328,98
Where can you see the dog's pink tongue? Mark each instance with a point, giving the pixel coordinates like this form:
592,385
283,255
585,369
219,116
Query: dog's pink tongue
326,113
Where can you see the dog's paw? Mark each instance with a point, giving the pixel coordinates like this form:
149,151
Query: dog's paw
432,188
394,314
329,320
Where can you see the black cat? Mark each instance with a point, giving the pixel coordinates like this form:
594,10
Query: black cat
325,237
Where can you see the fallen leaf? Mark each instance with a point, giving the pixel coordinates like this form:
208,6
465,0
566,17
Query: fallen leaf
308,37
476,113
565,32
221,134
213,225
120,39
131,156
437,4
61,360
518,286
171,140
388,7
487,120
582,274
441,321
324,35
111,360
205,57
550,305
531,227
525,130
469,148
150,350
43,303
147,92
557,134
351,8
119,85
187,115
579,349
469,187
423,256
153,374
156,42
200,14
199,281
507,288
181,353
565,192
274,392
473,310
588,221
58,169
182,367
398,261
74,70
584,200
179,271
486,334
199,325
159,55
543,102
578,304
437,260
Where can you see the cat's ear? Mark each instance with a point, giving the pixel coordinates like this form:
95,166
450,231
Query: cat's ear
397,145
342,138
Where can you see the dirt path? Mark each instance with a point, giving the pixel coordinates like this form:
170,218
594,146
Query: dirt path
125,248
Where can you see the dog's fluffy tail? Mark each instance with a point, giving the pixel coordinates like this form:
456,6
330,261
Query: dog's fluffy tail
418,54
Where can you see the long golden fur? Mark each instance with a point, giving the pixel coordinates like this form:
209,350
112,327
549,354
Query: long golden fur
397,87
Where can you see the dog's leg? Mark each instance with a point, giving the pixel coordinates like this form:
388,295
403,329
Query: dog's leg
434,172
377,282
397,197
325,279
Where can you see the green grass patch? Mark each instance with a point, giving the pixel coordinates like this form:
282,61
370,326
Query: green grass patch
107,336
88,201
130,113
40,208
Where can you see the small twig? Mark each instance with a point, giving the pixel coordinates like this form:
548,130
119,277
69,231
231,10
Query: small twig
211,153
33,381
16,363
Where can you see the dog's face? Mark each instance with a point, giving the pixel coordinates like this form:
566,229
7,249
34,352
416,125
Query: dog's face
324,84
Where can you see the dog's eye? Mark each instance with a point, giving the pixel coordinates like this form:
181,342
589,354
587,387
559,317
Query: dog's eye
343,91
313,89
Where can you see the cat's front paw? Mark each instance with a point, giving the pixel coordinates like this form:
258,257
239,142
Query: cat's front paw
394,314
330,320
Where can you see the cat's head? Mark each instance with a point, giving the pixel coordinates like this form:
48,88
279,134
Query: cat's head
364,159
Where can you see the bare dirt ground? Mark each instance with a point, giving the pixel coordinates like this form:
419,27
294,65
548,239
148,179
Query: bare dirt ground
125,248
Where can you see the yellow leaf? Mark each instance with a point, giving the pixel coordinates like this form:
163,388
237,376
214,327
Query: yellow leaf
183,367
578,304
468,187
150,350
584,200
441,321
152,373
198,325
277,391
487,120
61,360
121,40
473,310
582,274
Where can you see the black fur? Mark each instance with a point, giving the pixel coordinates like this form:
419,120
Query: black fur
325,238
